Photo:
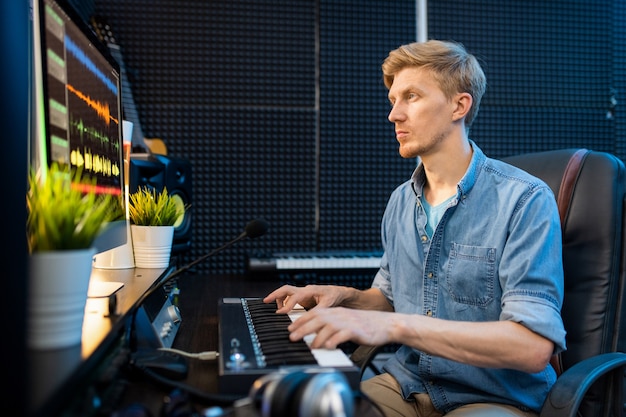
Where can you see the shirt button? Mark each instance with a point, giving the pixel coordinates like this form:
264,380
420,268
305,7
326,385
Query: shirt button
429,313
430,275
424,238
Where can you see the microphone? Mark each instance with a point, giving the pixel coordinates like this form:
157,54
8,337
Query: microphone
255,228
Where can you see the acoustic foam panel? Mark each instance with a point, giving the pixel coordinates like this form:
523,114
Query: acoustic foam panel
280,107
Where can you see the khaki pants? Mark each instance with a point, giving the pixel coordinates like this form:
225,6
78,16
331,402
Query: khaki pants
385,392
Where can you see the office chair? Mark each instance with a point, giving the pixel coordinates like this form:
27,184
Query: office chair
590,188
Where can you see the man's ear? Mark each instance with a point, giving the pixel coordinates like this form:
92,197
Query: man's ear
463,103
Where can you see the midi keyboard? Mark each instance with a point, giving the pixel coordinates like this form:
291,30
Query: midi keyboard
254,341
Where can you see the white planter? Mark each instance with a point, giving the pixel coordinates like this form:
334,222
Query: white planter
152,245
58,285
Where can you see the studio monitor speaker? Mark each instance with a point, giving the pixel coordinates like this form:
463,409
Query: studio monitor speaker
162,171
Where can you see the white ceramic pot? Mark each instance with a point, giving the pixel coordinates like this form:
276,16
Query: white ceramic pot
152,245
58,285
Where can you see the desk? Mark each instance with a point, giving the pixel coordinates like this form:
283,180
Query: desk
198,332
54,375
94,379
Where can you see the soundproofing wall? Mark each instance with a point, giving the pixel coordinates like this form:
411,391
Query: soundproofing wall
281,110
555,71
261,98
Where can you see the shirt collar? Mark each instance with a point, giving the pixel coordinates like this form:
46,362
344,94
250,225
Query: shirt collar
418,178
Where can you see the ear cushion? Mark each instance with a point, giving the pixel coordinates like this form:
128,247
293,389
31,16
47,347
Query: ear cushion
262,390
304,393
327,394
287,394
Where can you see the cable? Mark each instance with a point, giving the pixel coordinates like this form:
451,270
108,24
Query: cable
209,355
199,395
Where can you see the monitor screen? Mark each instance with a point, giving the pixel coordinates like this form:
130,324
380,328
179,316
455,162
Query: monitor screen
77,103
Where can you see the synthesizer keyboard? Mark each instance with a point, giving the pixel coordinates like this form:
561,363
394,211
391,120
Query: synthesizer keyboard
254,341
312,261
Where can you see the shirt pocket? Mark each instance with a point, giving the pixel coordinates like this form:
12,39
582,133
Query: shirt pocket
470,277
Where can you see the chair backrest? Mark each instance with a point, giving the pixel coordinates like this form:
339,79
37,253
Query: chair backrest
593,258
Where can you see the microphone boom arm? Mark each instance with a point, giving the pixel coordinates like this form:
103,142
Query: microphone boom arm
225,246
254,228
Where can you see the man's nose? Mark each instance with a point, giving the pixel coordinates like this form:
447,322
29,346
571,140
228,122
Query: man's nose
394,114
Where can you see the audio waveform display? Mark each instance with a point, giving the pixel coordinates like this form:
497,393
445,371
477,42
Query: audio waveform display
94,163
80,55
91,134
101,109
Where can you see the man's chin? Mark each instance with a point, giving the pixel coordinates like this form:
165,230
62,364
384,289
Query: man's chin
407,153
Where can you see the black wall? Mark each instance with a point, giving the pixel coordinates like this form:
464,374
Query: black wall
555,70
281,110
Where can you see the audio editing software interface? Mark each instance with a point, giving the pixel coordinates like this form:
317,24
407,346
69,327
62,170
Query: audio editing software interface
82,102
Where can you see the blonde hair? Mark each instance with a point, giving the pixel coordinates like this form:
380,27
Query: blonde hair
454,69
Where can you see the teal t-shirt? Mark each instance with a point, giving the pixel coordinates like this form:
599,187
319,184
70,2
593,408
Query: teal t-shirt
433,214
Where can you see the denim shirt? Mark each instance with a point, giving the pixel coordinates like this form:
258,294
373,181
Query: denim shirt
495,255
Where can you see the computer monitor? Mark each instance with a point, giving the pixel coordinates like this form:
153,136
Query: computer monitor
77,106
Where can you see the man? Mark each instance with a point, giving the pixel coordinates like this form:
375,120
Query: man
471,279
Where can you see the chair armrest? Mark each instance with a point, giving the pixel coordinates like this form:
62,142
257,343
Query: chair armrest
363,357
567,393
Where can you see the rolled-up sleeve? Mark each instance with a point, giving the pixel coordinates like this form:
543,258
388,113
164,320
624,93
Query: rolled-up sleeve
537,313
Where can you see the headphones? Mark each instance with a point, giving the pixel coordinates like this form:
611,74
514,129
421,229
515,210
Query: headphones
309,392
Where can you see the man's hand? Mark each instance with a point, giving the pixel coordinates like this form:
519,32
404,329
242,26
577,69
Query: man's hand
336,325
287,296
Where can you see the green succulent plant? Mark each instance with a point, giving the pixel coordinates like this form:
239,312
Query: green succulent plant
148,207
62,217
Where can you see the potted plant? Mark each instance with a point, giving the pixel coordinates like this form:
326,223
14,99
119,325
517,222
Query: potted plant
62,224
61,217
153,215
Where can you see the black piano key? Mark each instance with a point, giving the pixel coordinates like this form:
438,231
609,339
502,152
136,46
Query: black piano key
271,321
270,332
290,359
278,350
273,337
